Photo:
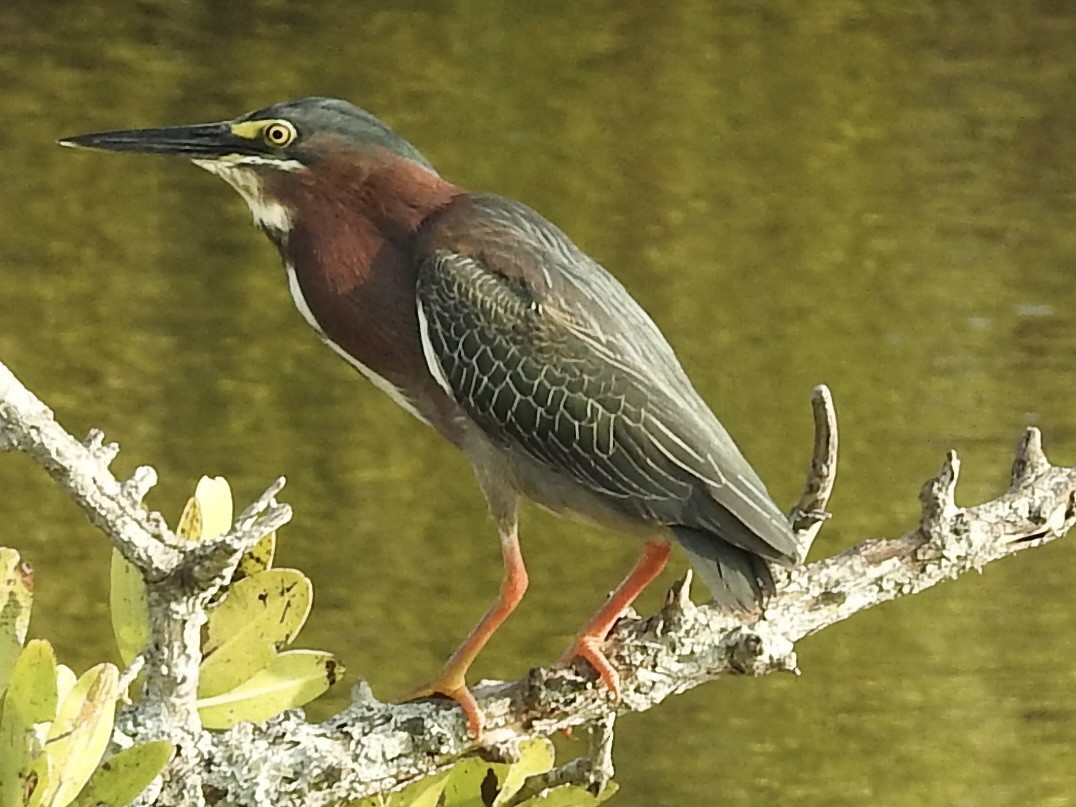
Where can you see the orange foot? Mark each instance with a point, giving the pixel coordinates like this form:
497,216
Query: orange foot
588,644
589,648
453,688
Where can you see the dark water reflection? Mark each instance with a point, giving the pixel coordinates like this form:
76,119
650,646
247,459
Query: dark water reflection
798,192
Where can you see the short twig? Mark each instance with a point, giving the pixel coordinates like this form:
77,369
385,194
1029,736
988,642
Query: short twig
810,511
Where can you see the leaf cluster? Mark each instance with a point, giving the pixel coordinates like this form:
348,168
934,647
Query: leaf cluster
245,675
55,727
477,783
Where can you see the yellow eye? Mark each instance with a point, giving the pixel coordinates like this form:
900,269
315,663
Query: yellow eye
279,134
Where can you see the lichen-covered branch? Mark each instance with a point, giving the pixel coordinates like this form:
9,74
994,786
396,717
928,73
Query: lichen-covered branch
809,514
373,746
28,426
180,580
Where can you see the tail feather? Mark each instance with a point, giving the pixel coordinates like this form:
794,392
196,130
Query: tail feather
738,580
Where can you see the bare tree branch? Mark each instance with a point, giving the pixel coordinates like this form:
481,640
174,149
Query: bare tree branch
372,746
810,513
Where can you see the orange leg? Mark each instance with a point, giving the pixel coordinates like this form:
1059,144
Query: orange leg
588,644
450,681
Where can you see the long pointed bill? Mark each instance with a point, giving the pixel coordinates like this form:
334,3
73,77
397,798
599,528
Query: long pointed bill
204,141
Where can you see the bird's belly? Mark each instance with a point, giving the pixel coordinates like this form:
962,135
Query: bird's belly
560,494
378,381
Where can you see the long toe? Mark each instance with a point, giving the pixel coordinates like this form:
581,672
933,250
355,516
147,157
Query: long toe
453,688
589,648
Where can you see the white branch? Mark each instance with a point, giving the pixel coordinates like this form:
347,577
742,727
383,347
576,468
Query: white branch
27,425
180,579
372,746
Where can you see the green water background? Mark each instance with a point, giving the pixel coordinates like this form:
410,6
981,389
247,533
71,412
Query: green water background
875,196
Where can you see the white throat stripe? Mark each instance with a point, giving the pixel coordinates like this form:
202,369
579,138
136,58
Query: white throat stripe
268,212
379,382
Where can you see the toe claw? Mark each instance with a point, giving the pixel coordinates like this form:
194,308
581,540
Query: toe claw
456,691
589,649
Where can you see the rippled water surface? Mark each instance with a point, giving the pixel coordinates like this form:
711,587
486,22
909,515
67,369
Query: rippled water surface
798,192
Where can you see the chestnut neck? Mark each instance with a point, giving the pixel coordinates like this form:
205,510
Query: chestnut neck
354,206
350,244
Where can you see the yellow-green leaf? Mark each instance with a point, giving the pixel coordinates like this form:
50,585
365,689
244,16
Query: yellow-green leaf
36,783
189,527
79,735
259,615
122,777
425,793
535,756
129,611
214,497
65,682
290,680
30,700
474,783
570,796
16,596
258,558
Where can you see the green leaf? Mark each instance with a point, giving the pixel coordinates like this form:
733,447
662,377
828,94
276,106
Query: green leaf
535,756
125,775
474,783
259,614
189,527
424,793
37,781
129,609
290,680
79,736
16,596
214,497
258,558
30,700
65,682
570,796
212,503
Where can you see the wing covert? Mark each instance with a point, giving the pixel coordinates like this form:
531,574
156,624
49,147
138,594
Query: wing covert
530,382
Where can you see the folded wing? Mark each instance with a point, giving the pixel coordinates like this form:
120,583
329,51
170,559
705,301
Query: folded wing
548,353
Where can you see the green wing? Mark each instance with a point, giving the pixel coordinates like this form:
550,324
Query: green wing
547,353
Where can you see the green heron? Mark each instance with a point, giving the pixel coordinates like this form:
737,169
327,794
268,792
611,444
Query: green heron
483,320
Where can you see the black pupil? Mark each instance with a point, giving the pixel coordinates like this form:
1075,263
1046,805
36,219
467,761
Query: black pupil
278,134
